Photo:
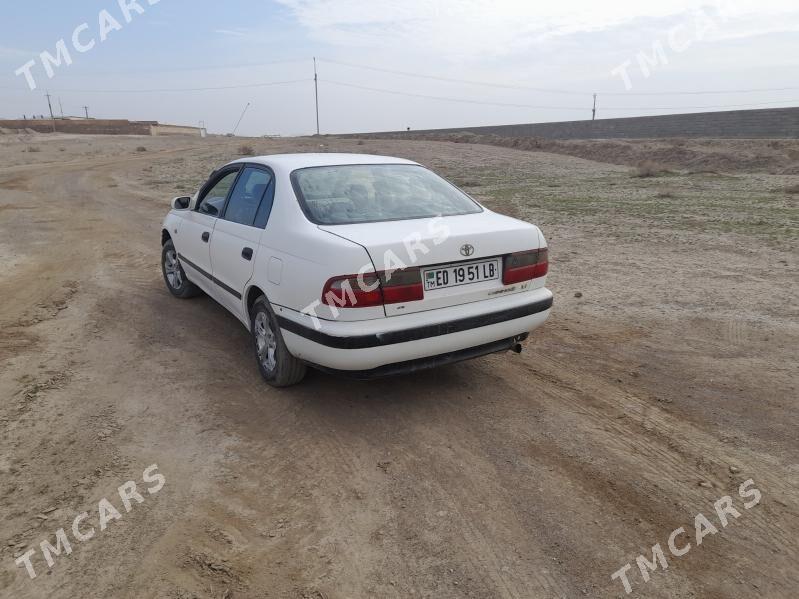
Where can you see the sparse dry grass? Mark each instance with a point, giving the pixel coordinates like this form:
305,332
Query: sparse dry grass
246,150
702,171
141,149
792,188
649,168
557,191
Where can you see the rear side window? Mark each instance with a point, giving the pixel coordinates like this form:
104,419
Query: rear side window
247,196
338,195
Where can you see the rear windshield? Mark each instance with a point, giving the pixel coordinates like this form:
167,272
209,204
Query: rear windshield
340,195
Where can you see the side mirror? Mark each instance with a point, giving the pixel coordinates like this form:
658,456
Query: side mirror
181,203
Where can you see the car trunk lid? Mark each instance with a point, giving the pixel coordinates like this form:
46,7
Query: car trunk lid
472,244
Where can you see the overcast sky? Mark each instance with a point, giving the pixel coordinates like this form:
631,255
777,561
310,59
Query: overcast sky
387,64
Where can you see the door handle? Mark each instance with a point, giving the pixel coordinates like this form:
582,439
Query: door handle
206,236
246,253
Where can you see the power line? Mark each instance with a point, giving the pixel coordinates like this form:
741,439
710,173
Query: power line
749,105
447,99
181,89
538,107
148,70
408,74
417,75
426,96
551,90
452,80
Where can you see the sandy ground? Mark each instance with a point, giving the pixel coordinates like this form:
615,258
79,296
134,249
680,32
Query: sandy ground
665,378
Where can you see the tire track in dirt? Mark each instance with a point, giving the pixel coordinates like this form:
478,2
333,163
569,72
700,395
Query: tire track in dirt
65,411
673,458
334,489
447,485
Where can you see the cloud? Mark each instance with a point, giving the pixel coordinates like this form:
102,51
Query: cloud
469,29
232,32
15,53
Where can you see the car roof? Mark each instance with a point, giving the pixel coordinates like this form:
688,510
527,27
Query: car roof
290,162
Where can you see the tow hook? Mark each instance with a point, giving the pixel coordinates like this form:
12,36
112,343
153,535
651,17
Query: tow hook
517,348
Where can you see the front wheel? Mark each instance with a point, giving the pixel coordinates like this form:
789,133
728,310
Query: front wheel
278,367
174,276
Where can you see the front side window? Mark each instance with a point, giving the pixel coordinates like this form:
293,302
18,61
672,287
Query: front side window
337,195
246,197
214,199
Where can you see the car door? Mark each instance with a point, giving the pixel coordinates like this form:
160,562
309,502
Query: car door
234,244
194,240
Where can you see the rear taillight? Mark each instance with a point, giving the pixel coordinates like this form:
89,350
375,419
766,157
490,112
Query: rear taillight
374,289
524,266
400,286
352,291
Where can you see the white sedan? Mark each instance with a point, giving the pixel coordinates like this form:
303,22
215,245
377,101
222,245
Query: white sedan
355,264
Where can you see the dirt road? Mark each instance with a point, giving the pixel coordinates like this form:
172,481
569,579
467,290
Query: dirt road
667,383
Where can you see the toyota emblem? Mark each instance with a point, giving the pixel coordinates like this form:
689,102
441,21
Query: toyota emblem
467,250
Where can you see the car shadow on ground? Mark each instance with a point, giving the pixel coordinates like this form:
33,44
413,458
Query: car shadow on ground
225,345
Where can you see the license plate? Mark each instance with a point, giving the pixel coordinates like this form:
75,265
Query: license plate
460,274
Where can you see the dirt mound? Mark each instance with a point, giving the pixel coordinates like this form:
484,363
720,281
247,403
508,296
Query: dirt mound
727,155
7,131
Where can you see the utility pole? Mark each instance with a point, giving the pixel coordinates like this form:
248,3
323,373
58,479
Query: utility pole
86,110
593,111
316,93
50,106
241,117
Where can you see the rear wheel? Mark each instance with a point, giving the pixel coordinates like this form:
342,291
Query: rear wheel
278,367
174,276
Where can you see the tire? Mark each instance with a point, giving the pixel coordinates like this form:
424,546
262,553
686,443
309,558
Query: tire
278,367
174,275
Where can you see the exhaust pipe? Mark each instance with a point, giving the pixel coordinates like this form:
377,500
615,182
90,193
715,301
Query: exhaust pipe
516,348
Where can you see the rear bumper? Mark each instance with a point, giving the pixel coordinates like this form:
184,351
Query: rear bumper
429,362
375,347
